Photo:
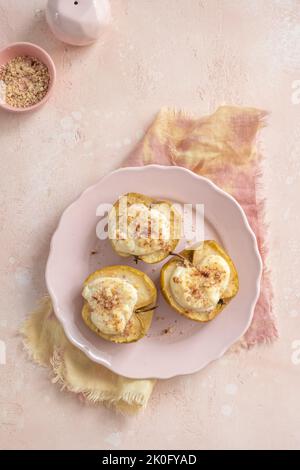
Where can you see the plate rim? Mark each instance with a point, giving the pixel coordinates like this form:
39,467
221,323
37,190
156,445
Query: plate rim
84,348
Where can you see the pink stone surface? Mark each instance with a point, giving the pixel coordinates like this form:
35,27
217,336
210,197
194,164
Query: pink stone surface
192,54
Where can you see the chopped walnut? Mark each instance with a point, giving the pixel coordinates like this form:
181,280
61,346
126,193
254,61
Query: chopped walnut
26,81
106,300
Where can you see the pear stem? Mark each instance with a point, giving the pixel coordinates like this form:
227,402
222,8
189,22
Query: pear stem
144,310
182,258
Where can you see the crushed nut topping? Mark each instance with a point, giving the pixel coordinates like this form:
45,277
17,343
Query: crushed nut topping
26,81
204,273
106,299
196,284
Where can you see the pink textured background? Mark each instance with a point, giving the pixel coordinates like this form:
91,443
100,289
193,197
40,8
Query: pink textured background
186,53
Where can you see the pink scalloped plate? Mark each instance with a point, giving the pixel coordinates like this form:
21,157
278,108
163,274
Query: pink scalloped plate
174,345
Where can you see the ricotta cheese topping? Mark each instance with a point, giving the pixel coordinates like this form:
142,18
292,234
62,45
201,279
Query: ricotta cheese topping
199,288
112,302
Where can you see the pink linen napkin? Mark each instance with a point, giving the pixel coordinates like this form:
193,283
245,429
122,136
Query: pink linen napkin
222,148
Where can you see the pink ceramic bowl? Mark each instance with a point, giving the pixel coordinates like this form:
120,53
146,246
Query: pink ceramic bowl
26,48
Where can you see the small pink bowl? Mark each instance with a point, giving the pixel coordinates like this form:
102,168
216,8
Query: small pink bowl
26,48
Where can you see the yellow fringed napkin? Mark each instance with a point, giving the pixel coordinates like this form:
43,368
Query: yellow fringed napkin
47,345
219,147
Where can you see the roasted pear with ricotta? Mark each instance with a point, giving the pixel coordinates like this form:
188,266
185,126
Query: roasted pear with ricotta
119,302
199,283
144,228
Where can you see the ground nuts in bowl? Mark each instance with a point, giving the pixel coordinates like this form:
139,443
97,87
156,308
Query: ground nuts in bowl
27,76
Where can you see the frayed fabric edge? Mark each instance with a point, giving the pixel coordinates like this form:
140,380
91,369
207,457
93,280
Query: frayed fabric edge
120,403
273,333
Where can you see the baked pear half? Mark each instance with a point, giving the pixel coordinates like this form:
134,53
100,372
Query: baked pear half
199,283
144,228
119,302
